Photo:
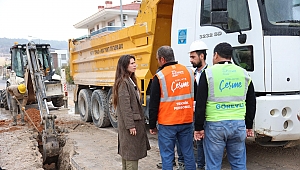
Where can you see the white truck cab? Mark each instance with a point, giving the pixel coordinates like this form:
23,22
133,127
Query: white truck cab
265,35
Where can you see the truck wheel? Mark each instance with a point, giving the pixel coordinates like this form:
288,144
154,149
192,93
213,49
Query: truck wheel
100,108
58,101
1,99
5,100
112,114
84,104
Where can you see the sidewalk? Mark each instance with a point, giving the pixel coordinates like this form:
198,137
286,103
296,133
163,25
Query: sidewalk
92,148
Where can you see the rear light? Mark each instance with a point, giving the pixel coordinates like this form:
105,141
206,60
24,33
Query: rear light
66,93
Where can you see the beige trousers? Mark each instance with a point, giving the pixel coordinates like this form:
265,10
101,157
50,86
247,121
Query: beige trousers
129,165
14,109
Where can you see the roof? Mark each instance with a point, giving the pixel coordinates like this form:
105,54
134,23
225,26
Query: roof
132,6
107,13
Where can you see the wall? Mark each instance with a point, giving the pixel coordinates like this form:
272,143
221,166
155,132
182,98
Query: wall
58,58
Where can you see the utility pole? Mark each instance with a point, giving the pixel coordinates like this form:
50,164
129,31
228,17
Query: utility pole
35,38
121,10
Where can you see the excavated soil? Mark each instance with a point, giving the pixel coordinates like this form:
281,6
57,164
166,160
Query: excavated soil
6,128
34,115
18,145
30,135
35,118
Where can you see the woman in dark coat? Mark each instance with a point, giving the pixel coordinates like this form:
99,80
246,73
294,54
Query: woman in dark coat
133,142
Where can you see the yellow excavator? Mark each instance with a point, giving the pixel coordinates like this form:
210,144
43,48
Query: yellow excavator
32,64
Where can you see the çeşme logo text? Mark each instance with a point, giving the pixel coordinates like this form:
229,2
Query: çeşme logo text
230,106
229,85
179,85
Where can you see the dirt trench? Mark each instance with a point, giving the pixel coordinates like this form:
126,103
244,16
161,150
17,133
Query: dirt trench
62,161
33,133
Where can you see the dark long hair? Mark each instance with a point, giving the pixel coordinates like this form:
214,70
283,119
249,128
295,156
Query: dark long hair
122,73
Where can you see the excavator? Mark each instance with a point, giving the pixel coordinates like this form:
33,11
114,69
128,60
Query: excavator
32,64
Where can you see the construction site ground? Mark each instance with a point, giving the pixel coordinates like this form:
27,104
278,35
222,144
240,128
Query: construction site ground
87,147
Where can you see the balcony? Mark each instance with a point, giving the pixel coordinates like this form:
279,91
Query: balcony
107,29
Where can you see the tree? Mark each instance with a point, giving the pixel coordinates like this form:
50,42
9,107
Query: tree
68,76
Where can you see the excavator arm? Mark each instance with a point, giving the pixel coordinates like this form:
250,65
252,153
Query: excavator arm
49,135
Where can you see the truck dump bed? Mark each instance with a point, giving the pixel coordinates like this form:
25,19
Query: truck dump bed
93,60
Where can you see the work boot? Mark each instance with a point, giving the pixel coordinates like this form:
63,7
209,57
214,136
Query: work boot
22,120
200,168
14,123
159,165
22,123
180,166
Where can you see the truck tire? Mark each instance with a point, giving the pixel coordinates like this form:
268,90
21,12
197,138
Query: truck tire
58,101
84,104
112,114
5,100
100,108
1,99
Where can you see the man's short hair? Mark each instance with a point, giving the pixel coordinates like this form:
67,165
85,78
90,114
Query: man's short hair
166,52
199,52
224,50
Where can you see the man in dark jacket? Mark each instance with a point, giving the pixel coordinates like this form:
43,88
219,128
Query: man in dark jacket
171,105
225,110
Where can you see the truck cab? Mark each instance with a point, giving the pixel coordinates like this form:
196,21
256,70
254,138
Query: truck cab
265,38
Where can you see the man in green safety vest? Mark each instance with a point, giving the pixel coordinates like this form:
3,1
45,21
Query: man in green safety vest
225,110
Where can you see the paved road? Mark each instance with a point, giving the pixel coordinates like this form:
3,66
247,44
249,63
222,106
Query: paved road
91,148
96,148
2,83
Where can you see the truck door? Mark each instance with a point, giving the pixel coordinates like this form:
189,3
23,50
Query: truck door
243,31
281,24
183,28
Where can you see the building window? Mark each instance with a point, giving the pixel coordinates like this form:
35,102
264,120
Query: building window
63,56
92,30
111,23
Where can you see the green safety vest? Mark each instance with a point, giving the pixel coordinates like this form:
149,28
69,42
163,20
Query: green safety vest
227,90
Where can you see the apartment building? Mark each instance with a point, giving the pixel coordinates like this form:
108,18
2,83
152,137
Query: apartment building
108,19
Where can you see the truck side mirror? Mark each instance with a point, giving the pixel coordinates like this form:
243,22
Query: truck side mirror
8,67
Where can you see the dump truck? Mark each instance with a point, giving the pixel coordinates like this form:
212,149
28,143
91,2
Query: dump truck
32,65
264,35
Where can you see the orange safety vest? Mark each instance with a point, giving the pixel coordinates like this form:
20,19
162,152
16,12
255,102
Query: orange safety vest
177,95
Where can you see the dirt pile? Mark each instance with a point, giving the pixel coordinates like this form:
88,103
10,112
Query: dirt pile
35,117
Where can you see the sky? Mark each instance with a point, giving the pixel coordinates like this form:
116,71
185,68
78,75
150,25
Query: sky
47,19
